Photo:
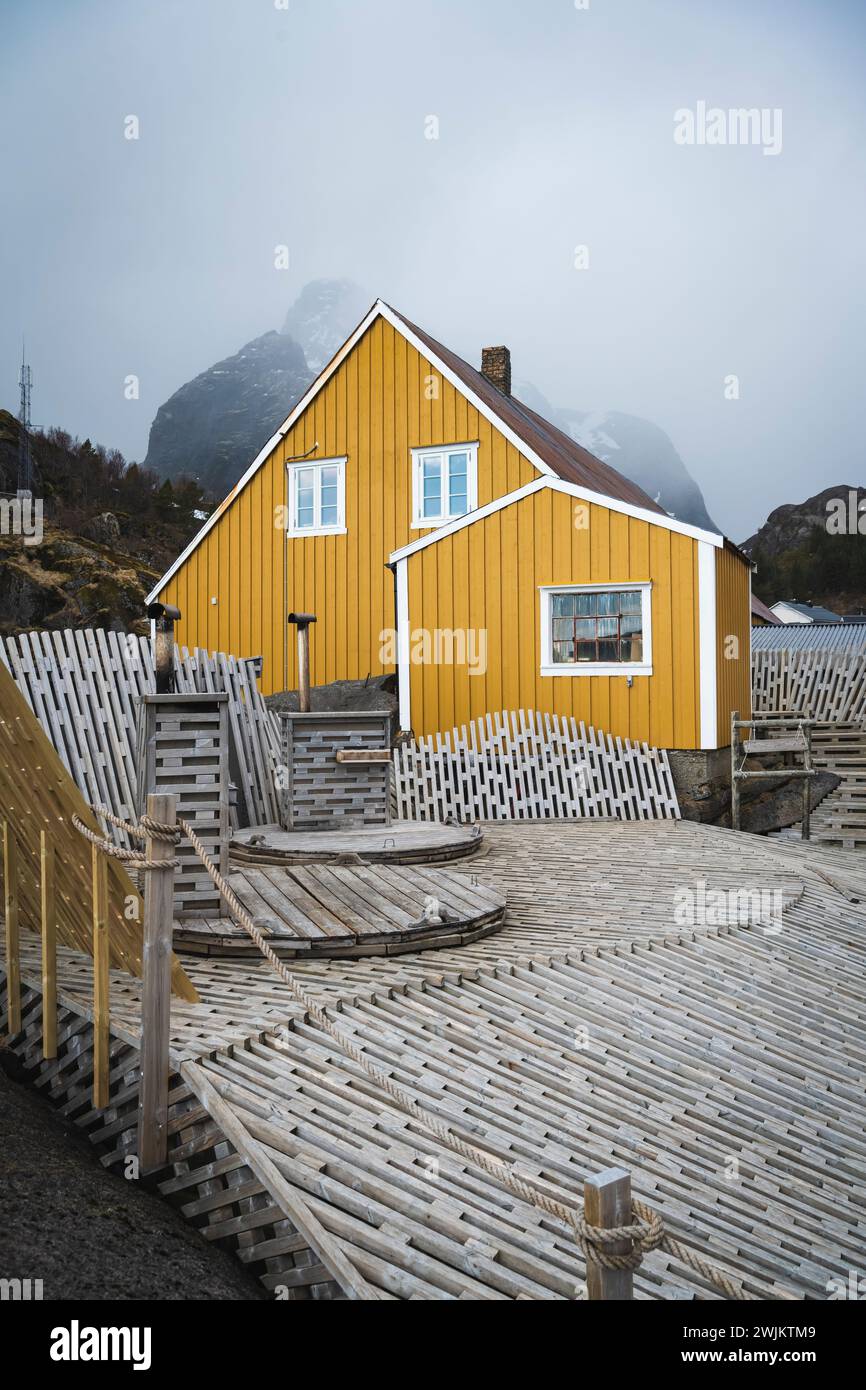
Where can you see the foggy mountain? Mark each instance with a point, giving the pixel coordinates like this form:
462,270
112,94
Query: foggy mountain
214,425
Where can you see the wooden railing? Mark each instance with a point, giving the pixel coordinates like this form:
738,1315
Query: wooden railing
158,896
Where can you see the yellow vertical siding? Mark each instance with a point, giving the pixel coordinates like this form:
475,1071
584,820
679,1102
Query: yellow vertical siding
374,409
489,575
733,642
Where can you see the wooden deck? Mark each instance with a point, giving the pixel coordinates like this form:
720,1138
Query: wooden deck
311,910
721,1063
401,842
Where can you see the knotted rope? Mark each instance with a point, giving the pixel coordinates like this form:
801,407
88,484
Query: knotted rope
146,828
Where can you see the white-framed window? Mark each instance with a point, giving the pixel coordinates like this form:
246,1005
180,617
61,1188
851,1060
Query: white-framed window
444,483
317,498
596,630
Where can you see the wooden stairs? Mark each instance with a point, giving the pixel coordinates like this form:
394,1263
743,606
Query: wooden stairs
840,819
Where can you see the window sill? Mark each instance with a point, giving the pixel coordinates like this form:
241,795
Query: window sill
596,668
316,531
433,524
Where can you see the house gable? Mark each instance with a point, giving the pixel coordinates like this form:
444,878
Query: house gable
235,582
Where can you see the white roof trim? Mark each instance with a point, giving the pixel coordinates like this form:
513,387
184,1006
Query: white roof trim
321,380
459,385
613,504
382,310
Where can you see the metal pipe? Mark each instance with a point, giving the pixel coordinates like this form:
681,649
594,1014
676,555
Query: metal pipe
163,618
302,622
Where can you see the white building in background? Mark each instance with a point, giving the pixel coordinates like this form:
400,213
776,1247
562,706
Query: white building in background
791,612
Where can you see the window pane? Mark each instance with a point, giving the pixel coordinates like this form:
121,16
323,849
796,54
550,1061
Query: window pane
563,629
329,515
457,465
586,603
586,651
585,627
631,648
630,624
563,651
431,486
607,627
329,476
607,651
563,605
457,500
607,603
305,482
630,602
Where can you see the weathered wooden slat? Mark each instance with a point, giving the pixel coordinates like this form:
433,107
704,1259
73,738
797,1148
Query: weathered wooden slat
84,685
523,765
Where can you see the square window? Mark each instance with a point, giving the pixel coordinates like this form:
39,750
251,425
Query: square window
317,497
444,484
599,630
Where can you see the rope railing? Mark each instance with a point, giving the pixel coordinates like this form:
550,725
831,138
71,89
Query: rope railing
645,1232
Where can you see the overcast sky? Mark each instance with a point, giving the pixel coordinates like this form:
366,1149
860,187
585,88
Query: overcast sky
307,125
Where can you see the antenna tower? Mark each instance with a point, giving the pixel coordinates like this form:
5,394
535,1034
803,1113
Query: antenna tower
25,458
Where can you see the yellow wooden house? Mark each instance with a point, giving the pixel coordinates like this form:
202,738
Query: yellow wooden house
437,526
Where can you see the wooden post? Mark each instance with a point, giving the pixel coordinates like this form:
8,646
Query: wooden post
156,992
101,1035
13,960
735,781
806,831
49,947
607,1203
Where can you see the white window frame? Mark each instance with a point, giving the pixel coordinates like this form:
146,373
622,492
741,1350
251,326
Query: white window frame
644,667
420,522
293,469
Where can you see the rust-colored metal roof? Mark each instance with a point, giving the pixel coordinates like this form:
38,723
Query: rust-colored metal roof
568,459
760,610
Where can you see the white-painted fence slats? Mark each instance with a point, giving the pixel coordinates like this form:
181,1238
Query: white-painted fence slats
83,686
818,684
524,765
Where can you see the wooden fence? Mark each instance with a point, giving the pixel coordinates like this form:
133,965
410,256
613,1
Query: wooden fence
525,766
826,685
83,686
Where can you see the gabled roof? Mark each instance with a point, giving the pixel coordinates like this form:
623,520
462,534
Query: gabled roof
547,448
563,455
760,610
815,614
554,485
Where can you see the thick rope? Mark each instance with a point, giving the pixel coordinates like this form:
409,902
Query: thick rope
646,1234
129,857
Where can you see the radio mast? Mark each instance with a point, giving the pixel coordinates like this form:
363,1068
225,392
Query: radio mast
25,458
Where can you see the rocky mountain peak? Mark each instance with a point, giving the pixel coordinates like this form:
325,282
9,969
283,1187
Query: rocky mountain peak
323,316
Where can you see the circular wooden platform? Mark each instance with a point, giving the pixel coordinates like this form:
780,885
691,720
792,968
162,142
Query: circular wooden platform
309,911
404,842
